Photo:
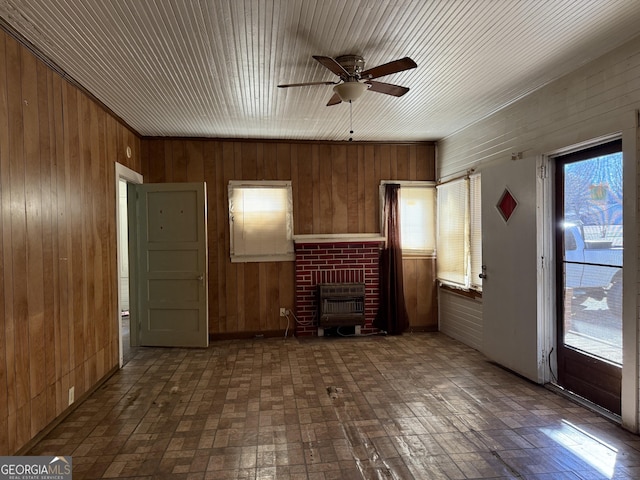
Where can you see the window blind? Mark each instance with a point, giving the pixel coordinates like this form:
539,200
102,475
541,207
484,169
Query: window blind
453,235
417,201
260,219
475,221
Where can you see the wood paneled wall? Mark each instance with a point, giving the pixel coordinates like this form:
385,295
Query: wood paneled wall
58,282
335,190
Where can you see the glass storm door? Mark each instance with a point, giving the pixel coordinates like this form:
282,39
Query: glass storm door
589,273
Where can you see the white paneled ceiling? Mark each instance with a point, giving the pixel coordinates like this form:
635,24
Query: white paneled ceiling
210,68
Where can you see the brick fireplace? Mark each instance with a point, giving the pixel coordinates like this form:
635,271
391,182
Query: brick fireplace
321,259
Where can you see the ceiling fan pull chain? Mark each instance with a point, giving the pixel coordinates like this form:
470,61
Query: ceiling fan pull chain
351,120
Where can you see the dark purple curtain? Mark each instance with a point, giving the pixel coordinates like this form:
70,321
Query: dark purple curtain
392,316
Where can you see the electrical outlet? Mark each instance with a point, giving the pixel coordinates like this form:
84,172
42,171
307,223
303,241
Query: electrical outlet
283,312
72,392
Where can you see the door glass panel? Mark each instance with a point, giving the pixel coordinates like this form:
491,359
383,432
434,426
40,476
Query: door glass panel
592,256
592,320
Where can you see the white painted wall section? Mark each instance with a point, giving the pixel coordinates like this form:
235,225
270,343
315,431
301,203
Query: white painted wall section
597,101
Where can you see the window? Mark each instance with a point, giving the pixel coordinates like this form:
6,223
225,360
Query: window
261,221
459,235
417,216
475,231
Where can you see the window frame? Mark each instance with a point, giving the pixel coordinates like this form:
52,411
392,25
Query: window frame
466,277
475,232
407,252
282,256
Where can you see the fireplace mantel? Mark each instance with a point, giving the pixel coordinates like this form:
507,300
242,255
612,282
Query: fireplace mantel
339,238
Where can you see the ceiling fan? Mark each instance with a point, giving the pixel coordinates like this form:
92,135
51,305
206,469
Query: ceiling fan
354,80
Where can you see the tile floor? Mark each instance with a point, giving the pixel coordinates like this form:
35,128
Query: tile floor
419,406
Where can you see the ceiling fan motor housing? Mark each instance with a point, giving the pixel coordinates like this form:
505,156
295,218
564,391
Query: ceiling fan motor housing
353,64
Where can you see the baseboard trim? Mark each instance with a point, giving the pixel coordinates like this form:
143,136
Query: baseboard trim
422,329
213,337
22,451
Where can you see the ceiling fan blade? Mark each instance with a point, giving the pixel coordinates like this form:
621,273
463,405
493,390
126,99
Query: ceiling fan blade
306,83
332,65
388,88
388,68
334,100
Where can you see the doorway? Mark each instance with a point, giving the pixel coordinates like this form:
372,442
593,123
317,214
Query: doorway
127,332
123,273
589,266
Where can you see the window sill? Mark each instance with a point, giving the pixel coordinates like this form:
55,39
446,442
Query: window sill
474,294
418,256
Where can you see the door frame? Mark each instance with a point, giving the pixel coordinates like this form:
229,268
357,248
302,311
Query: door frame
130,176
546,262
580,370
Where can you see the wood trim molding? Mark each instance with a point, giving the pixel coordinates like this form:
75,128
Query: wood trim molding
258,335
70,409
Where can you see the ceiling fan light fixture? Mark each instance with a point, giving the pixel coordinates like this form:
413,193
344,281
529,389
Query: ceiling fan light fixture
350,91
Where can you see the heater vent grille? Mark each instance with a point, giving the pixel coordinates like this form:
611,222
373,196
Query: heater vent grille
341,304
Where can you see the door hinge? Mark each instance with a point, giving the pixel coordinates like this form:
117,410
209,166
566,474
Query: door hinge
542,172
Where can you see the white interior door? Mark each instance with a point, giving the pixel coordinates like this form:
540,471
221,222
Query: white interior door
171,273
509,291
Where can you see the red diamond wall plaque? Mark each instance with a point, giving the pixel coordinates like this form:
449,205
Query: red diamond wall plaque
507,205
